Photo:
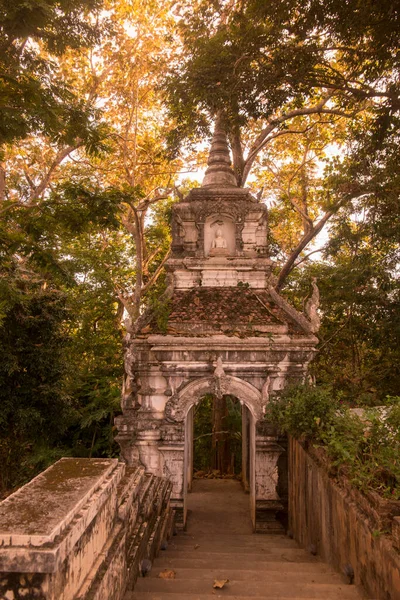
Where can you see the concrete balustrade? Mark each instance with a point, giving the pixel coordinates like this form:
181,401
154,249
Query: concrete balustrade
358,534
80,529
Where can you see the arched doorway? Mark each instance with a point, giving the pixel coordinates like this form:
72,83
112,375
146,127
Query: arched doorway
217,437
221,459
180,409
263,450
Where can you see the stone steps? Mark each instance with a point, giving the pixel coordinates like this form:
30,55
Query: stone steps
221,593
257,567
219,545
237,554
153,589
272,574
249,565
232,541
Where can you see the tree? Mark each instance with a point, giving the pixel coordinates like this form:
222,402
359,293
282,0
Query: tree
33,37
31,375
267,66
88,216
359,280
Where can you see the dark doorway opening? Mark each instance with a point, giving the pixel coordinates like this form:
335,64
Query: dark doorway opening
217,438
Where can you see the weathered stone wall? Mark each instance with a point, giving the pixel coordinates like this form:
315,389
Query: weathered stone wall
348,530
222,329
80,531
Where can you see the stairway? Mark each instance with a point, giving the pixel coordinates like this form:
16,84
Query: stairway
219,545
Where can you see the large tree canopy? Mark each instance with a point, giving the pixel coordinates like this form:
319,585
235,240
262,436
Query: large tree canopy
260,60
293,69
98,99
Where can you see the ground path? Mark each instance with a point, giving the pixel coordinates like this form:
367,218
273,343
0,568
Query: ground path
219,545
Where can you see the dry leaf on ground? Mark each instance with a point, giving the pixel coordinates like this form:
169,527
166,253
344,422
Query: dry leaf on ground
167,574
219,583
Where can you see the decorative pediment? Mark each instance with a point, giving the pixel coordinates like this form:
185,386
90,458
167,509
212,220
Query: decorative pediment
218,384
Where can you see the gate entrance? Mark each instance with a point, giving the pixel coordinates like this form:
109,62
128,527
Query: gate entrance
219,444
225,331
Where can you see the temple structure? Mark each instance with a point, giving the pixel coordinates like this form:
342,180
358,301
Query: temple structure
221,329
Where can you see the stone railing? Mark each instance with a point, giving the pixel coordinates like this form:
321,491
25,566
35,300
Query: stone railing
358,534
80,531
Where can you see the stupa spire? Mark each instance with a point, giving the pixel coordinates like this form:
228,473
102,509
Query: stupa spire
219,172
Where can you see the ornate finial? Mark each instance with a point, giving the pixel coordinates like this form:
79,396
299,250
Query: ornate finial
312,305
219,379
219,172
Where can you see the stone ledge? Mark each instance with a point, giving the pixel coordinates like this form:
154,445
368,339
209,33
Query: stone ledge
42,509
225,342
325,512
120,508
23,556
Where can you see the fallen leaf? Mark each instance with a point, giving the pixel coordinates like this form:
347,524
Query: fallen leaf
219,583
167,574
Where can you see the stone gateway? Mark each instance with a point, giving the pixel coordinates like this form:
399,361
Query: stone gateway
228,332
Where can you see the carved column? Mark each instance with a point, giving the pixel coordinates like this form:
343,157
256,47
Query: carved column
268,503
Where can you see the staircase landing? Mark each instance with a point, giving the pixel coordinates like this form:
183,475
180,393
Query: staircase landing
219,545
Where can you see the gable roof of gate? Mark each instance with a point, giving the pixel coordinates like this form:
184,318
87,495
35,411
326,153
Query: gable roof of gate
219,305
232,311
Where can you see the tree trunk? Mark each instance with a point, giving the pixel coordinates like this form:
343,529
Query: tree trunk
220,441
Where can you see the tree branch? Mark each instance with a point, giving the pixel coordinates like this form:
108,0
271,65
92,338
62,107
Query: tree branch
306,257
263,137
306,239
61,155
156,273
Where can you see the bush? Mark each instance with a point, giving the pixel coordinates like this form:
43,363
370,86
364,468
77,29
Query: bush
366,449
303,411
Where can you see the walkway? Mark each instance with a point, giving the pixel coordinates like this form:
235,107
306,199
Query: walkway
219,545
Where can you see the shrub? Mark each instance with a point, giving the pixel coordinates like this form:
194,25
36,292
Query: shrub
367,449
303,411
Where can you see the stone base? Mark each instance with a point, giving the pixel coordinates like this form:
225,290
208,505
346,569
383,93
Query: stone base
80,530
267,516
179,514
219,252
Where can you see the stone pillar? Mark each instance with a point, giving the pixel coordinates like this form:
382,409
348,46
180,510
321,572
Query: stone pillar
172,452
245,448
189,450
268,503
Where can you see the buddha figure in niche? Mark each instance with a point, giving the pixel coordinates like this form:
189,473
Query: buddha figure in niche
219,244
219,241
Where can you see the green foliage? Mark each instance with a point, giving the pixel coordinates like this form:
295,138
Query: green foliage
365,449
202,444
35,410
161,308
378,465
34,98
303,411
85,206
359,353
73,247
256,57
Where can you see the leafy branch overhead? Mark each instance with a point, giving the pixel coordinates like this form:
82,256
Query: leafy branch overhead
104,107
284,70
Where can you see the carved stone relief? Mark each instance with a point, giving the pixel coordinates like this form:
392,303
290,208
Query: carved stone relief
219,384
219,236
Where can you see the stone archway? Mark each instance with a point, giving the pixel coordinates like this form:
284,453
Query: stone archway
178,410
178,406
264,450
